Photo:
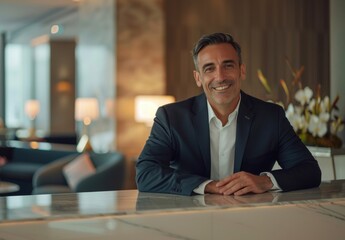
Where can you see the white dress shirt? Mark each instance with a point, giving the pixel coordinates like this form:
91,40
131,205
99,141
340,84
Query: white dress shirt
222,140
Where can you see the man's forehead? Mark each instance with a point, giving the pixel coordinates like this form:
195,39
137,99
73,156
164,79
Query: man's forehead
217,52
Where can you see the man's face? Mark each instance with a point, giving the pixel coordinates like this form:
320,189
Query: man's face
219,74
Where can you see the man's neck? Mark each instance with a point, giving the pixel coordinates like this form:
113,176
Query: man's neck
223,112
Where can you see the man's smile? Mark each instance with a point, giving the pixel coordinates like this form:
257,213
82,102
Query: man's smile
223,87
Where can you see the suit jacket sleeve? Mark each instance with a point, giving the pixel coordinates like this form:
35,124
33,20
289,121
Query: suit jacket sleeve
159,165
299,168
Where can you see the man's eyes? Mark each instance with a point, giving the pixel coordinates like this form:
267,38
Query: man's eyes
208,69
230,65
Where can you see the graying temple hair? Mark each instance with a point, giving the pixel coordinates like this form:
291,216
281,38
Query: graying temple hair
214,38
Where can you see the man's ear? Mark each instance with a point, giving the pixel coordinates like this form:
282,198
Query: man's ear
197,78
243,71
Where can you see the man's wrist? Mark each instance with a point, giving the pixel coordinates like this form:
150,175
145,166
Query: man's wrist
268,182
273,180
208,187
201,189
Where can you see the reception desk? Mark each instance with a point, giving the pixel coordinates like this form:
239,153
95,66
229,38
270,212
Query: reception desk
317,213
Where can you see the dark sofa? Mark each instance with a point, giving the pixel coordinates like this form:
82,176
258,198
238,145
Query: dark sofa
22,163
109,175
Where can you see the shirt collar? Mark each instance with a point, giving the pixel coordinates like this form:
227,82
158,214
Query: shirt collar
212,115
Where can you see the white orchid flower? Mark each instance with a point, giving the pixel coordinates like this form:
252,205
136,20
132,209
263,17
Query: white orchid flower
290,110
312,115
295,123
303,124
292,117
303,96
324,105
324,117
296,120
336,126
311,105
317,127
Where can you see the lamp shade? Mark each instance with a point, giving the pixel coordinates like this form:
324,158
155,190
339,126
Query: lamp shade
32,108
86,108
146,106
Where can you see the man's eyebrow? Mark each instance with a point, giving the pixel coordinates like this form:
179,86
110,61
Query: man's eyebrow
229,61
207,65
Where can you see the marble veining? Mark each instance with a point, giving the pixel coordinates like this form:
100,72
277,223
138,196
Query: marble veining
261,222
332,209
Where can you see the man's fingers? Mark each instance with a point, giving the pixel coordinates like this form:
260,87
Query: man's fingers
226,180
241,183
243,191
231,187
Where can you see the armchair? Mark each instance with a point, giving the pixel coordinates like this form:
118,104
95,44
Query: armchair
109,175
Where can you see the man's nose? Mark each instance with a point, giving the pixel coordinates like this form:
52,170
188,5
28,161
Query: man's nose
220,74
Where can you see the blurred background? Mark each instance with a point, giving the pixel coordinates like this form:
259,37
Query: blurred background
113,51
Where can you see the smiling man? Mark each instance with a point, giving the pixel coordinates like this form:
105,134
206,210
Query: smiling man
223,141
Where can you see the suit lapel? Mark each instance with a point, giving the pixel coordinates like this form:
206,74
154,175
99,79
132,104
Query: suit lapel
244,122
201,128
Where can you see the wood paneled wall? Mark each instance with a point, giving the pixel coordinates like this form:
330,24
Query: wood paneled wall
140,67
268,31
140,71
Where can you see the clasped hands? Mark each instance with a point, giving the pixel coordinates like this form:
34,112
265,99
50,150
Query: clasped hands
240,183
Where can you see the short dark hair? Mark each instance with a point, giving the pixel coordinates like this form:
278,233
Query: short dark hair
215,38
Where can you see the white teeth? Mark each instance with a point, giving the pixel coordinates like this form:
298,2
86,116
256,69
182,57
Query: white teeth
221,88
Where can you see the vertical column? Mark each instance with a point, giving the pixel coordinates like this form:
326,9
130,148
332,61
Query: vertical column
2,76
337,55
62,86
96,68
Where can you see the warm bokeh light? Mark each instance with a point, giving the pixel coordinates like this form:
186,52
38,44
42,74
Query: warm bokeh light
146,107
32,108
86,108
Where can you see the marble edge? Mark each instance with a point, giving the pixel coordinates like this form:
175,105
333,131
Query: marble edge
171,210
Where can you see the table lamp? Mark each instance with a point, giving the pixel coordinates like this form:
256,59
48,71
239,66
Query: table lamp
86,110
32,108
147,105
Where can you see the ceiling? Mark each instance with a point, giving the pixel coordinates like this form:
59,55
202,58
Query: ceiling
16,15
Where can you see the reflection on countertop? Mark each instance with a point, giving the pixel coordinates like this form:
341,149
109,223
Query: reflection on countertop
71,205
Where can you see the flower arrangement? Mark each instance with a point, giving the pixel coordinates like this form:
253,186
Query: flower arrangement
313,118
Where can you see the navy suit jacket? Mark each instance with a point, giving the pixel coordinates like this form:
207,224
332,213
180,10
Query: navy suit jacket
176,157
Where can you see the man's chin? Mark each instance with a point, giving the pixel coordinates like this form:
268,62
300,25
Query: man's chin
222,102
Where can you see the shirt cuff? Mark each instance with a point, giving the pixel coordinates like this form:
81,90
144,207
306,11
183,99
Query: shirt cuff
273,180
201,188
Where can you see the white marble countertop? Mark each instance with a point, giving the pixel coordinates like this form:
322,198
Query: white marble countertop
317,213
